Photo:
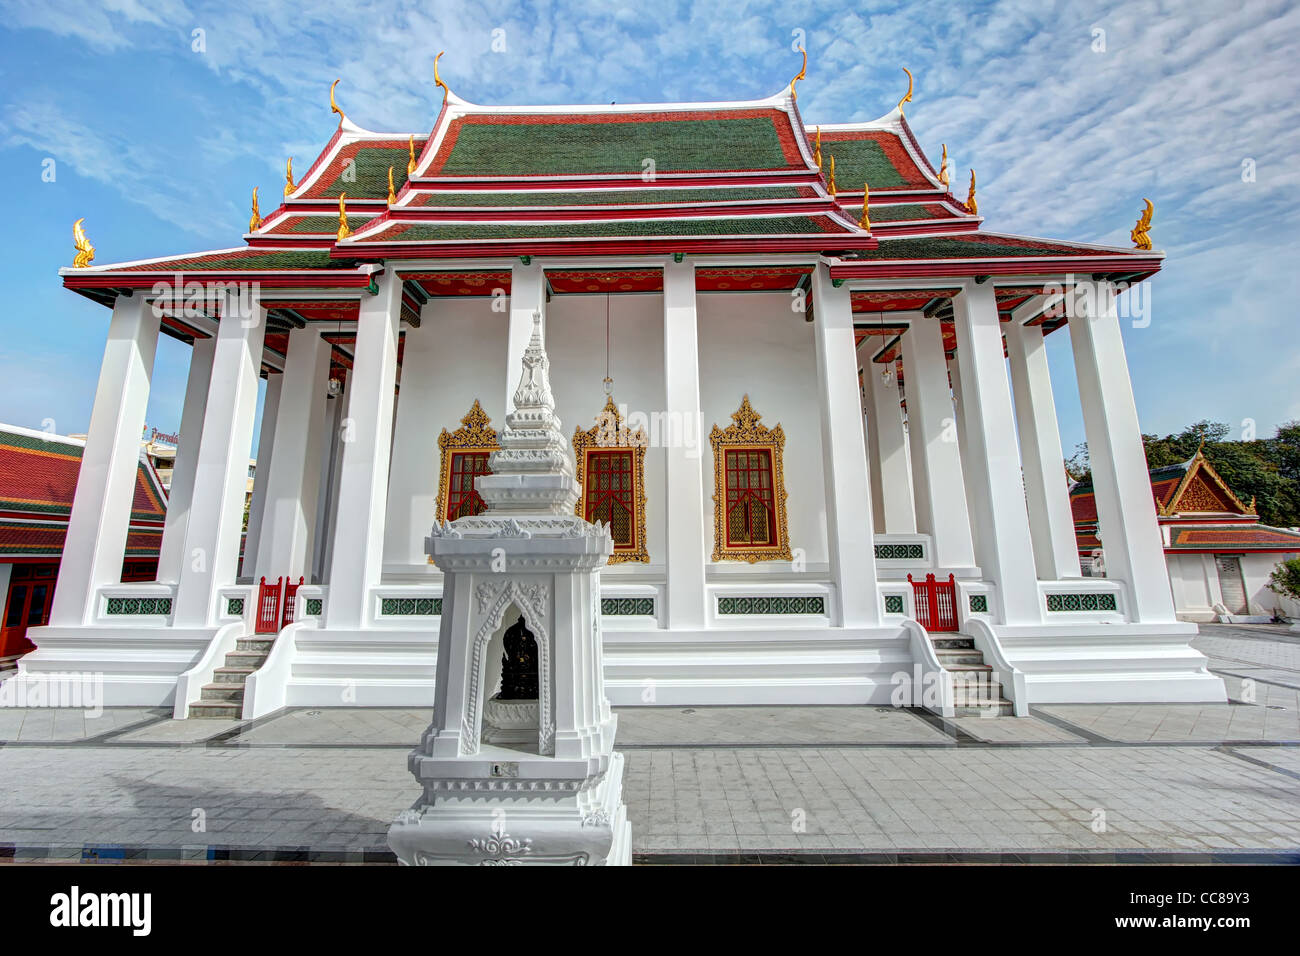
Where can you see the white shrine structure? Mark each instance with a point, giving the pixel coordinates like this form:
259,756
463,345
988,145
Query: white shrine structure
829,464
536,759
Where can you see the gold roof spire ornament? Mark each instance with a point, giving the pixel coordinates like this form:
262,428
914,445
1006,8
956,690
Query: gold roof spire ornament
289,187
800,75
437,80
830,182
1141,234
334,107
971,206
943,167
255,219
908,97
344,231
817,153
392,195
410,163
865,222
85,251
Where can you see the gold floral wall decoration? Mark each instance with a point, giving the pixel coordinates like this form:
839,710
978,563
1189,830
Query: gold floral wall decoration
610,460
473,441
749,515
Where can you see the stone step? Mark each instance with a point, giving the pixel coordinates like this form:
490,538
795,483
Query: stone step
1004,708
984,690
215,709
950,656
231,675
952,643
958,669
222,692
252,659
259,645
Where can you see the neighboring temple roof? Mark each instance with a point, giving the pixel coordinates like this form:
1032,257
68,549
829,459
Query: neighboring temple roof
1200,510
38,479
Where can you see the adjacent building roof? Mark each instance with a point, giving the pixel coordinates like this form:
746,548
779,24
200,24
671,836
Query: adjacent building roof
38,479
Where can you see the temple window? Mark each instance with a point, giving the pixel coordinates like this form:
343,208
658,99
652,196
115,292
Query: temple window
465,455
611,469
749,490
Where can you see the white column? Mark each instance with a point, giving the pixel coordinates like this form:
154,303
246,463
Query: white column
101,509
1056,551
289,520
849,533
181,491
413,482
367,432
527,295
993,460
262,471
685,552
331,466
1126,511
963,448
941,510
211,554
891,478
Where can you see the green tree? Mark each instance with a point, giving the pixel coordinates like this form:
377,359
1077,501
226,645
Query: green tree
1285,579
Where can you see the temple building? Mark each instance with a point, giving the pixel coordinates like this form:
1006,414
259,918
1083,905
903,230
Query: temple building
736,306
1218,553
38,479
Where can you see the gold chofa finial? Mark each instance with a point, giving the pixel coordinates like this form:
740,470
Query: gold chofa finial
334,107
943,167
865,222
830,181
971,206
289,187
800,75
908,97
344,231
410,163
437,80
255,219
1141,234
817,154
85,251
392,195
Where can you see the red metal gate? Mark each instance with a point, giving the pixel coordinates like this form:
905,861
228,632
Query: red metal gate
268,607
290,597
936,603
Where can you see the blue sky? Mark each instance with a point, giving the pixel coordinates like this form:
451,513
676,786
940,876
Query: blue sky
158,144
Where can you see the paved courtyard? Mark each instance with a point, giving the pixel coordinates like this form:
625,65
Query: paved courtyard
1148,781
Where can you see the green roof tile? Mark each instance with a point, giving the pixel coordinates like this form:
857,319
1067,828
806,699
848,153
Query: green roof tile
774,225
609,197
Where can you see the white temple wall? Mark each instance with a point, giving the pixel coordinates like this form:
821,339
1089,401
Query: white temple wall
752,344
1256,569
1190,581
457,355
575,344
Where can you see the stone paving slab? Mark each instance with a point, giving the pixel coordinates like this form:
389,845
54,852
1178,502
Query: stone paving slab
49,725
369,726
771,726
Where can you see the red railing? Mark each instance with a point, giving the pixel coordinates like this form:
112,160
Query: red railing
936,603
290,599
268,607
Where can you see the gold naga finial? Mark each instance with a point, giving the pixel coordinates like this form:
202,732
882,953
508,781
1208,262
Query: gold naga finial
289,187
908,97
830,182
800,75
344,231
943,167
437,80
410,163
334,107
1141,234
971,206
392,194
85,251
865,222
817,155
255,219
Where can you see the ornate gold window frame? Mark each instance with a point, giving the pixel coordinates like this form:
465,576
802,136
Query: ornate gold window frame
747,432
611,434
475,434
